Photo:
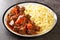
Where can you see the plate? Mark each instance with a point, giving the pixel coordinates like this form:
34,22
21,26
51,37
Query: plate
25,4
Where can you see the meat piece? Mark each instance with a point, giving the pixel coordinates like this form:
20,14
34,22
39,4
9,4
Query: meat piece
21,19
10,14
30,32
28,17
8,19
15,10
16,28
22,30
22,10
14,17
36,28
17,24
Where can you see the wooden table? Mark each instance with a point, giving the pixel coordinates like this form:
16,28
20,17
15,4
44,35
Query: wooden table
53,35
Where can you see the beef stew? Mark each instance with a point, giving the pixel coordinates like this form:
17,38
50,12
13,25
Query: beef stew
21,23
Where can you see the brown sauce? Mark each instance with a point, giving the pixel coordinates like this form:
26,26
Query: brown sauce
21,23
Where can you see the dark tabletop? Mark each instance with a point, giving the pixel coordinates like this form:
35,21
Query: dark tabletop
53,35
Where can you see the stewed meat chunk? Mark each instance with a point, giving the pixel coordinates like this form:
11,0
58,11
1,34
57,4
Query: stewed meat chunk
21,23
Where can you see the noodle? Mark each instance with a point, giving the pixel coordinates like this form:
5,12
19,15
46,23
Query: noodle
41,15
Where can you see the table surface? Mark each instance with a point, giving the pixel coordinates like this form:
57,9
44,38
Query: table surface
53,35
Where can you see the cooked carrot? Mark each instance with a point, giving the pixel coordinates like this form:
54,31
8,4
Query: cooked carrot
20,20
29,26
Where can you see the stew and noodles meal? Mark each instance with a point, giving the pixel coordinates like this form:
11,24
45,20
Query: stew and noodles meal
30,19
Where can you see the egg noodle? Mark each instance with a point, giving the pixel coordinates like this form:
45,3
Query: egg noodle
41,16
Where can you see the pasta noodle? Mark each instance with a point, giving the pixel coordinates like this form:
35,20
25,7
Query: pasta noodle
41,15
